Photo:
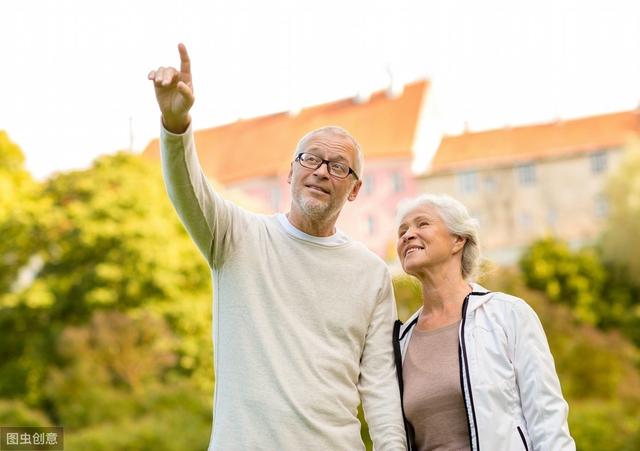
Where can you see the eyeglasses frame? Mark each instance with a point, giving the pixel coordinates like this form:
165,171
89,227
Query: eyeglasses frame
322,161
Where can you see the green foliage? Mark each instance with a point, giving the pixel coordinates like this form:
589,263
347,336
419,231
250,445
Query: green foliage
621,302
17,413
621,241
619,245
408,294
109,240
599,293
572,278
597,425
175,416
115,241
14,178
26,349
20,205
109,332
104,364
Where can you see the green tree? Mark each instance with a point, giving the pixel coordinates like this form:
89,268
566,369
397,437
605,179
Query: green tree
408,293
110,331
20,205
619,245
573,278
621,241
175,416
106,365
600,293
109,241
15,180
115,241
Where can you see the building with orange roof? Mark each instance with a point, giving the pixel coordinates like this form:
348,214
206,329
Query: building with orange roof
253,156
529,181
521,182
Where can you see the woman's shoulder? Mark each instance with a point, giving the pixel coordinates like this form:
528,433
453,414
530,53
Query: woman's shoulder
505,304
481,294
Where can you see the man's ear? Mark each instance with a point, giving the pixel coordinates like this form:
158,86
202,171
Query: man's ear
354,191
290,174
458,243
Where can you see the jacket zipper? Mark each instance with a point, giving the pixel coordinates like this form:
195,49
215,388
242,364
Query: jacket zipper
464,376
398,361
524,442
462,351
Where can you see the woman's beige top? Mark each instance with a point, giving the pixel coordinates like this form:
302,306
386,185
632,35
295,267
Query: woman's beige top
432,395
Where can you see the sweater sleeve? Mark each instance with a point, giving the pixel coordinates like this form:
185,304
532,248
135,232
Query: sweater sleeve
544,408
377,384
208,218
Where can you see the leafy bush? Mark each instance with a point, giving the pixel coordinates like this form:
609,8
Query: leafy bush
17,413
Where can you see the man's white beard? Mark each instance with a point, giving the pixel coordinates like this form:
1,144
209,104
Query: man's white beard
314,208
317,209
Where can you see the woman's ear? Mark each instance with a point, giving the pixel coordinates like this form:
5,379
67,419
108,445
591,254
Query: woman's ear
458,243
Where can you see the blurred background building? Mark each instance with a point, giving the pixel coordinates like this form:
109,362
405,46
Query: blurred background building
521,182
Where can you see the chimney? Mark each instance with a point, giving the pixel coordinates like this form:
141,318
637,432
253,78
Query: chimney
362,97
294,110
394,87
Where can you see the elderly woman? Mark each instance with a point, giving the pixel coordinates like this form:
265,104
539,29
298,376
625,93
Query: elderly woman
474,366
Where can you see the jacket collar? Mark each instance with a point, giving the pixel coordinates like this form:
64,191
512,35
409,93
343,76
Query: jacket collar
476,299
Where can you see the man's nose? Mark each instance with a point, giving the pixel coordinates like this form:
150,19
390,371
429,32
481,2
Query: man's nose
322,170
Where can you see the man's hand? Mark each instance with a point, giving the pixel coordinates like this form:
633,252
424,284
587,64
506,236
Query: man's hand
174,93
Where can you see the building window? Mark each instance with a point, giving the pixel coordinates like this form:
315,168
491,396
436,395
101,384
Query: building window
490,184
371,225
368,184
601,206
598,162
467,181
397,182
527,174
524,220
552,218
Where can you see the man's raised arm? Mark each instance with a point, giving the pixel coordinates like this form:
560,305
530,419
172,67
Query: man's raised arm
206,216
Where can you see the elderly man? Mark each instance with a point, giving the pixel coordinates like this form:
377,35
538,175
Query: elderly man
303,315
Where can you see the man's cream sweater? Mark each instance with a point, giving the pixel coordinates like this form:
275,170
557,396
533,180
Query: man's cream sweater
302,326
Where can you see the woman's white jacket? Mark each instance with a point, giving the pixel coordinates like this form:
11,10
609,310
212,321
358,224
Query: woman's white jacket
507,375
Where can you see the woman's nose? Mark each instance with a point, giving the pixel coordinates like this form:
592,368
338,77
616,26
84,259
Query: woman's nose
408,235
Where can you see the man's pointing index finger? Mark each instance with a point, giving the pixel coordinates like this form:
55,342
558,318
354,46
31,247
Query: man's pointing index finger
185,62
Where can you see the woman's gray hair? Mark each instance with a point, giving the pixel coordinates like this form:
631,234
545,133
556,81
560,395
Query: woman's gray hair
334,129
458,221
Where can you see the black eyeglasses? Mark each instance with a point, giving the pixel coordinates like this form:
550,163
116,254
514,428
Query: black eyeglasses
335,168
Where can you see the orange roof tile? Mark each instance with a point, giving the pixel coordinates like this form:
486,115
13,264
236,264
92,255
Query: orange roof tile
496,147
384,126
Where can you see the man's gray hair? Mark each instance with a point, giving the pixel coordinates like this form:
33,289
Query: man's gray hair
339,131
458,221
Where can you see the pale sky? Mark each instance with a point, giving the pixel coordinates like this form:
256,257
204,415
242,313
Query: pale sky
74,71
